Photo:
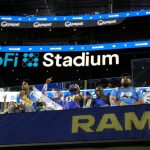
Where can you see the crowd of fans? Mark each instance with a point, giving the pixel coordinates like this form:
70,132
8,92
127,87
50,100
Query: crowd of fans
27,101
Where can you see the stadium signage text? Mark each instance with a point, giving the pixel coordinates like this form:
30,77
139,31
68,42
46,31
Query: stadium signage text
73,24
106,22
85,59
9,24
38,24
110,121
57,60
42,19
9,58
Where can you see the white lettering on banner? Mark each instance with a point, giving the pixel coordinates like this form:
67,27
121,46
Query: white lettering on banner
9,24
55,48
141,44
37,24
97,47
112,16
43,19
71,24
5,18
79,61
14,49
106,22
148,13
77,18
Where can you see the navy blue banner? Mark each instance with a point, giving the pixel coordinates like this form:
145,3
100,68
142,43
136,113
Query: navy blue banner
105,124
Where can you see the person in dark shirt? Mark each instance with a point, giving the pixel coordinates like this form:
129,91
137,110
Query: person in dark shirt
100,100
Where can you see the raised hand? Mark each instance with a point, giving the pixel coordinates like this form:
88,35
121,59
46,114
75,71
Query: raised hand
49,80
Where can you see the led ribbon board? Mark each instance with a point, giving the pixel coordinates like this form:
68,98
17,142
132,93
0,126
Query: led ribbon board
69,21
79,48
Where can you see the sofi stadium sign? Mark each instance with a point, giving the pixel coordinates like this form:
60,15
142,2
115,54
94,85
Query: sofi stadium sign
83,59
78,56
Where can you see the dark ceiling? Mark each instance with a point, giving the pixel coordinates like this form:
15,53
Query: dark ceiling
68,7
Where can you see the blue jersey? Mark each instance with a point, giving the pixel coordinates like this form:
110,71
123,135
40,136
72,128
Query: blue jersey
59,102
128,96
70,102
98,102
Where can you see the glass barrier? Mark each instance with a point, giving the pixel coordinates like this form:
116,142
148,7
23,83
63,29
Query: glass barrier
141,72
141,76
72,95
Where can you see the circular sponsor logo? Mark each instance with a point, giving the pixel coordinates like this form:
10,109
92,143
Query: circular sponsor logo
68,24
36,24
106,22
9,24
100,22
4,24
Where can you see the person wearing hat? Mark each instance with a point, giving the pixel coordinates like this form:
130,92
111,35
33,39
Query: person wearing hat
126,95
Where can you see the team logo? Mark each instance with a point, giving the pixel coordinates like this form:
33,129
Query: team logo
30,60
